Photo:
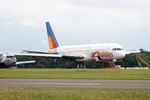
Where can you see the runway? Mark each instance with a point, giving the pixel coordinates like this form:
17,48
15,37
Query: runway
75,83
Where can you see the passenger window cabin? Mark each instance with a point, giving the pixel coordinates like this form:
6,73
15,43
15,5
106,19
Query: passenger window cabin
117,49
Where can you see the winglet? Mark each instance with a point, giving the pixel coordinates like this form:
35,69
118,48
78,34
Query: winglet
51,37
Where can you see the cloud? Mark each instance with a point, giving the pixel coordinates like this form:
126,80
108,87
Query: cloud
8,23
44,41
29,23
75,22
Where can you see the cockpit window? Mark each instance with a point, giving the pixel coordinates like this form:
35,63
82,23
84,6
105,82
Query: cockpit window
117,49
10,56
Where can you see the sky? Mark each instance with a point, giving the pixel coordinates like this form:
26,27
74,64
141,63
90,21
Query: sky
74,22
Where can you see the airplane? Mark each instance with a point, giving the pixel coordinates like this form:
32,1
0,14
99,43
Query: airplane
79,53
9,60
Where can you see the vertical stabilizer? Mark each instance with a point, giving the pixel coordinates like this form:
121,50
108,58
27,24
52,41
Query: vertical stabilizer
51,37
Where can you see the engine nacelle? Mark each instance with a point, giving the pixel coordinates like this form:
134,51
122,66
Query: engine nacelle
86,58
10,61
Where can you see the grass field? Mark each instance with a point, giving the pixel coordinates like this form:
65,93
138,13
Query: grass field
106,74
73,94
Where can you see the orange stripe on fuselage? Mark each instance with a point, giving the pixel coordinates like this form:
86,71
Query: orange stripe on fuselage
51,42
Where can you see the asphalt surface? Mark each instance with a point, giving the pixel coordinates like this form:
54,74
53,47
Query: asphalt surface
75,83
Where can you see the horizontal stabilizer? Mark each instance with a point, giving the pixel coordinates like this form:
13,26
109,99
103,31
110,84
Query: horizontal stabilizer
25,62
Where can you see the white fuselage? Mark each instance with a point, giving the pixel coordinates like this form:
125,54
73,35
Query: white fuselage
106,51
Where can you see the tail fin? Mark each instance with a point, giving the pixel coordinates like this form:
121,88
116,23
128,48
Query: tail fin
51,37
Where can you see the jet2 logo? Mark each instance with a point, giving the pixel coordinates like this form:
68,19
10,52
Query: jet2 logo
102,54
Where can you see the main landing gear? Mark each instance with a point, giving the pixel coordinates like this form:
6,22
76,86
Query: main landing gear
81,65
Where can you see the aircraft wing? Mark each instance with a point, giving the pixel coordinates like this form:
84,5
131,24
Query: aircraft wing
39,55
133,51
37,52
49,55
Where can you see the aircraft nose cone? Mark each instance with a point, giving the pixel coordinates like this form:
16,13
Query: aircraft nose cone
123,54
